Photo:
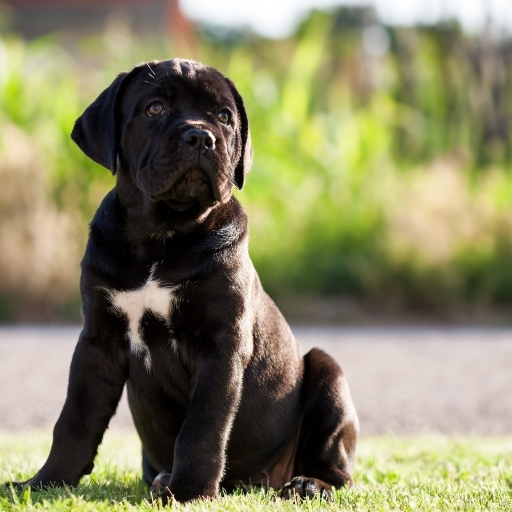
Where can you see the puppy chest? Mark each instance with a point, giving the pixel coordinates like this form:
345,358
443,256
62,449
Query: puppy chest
153,299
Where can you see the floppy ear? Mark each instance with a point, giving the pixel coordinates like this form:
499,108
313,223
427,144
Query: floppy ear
244,164
96,131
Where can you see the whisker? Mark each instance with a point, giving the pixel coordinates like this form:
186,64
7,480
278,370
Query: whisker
133,187
151,73
228,175
152,83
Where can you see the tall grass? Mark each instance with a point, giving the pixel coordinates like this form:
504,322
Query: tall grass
378,189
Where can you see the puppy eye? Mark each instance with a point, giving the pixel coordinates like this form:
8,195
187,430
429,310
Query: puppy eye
224,116
155,109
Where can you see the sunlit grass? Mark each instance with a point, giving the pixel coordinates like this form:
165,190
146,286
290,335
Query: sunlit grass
433,473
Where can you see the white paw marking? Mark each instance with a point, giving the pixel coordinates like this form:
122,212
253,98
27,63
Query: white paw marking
151,296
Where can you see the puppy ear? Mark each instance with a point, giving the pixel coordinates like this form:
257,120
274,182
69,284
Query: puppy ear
244,164
96,131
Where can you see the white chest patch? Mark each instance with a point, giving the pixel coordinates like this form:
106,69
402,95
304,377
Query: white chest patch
151,296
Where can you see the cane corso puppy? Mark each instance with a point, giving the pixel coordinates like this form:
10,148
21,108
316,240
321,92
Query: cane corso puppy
173,308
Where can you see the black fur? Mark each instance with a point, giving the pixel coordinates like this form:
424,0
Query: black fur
226,398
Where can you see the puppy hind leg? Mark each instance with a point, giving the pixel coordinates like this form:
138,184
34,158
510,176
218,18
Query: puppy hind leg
326,450
149,472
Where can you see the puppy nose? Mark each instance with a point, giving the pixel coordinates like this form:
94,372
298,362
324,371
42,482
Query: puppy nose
196,138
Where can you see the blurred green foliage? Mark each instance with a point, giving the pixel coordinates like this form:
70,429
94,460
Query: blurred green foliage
384,177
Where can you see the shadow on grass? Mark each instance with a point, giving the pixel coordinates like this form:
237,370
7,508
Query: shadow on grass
115,491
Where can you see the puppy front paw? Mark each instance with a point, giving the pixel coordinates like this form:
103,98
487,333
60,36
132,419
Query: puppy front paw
302,487
35,483
161,490
17,486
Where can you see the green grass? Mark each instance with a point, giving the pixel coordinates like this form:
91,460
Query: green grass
434,473
392,190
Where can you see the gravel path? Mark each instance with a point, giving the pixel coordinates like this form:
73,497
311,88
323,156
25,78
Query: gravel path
404,381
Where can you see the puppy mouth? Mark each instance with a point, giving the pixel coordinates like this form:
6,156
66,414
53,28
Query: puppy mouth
191,188
180,206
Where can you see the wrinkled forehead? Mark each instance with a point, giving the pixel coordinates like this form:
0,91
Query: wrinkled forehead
179,78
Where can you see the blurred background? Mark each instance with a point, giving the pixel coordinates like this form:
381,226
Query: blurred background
381,189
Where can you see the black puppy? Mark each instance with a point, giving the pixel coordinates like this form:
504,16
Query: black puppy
173,308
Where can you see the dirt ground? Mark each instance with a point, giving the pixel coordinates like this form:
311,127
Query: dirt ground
404,381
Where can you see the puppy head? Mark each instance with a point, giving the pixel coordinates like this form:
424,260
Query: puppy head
175,129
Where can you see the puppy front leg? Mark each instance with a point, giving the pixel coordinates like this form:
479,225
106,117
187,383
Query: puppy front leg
96,383
200,449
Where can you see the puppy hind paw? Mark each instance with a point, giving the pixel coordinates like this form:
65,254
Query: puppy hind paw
163,499
302,487
160,483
